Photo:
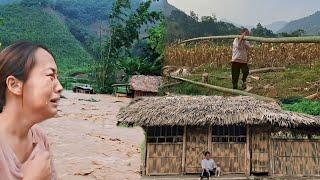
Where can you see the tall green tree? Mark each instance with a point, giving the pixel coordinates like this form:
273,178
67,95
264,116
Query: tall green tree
209,18
147,54
125,29
194,16
261,31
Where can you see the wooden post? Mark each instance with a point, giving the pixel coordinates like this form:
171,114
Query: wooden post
248,154
210,139
145,157
269,153
184,149
271,170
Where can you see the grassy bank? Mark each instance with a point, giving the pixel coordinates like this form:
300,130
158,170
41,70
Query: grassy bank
294,83
304,106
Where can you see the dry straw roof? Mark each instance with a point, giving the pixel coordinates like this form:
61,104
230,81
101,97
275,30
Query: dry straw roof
145,83
213,110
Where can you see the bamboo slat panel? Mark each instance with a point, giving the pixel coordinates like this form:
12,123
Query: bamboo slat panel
197,143
230,156
259,151
142,93
164,158
296,157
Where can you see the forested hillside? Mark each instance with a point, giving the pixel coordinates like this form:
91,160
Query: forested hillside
42,26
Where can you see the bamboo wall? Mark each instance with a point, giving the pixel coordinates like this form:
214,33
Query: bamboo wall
296,157
164,158
259,151
143,93
230,156
197,143
259,154
284,157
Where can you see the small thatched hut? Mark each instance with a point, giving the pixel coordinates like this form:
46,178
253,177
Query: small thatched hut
145,85
243,134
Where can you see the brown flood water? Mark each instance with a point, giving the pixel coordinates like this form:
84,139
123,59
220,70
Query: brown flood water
86,142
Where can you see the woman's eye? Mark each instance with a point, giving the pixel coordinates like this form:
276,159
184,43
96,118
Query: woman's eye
51,76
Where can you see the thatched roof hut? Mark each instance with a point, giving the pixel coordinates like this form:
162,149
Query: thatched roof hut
145,83
210,110
243,134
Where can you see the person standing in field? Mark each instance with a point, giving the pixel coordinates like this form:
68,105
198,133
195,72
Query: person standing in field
240,59
29,94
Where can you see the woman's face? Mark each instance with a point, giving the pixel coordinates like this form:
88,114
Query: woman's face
246,33
42,90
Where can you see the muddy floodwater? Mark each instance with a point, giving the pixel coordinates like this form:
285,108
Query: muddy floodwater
86,142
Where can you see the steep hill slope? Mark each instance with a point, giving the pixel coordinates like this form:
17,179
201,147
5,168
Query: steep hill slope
42,26
310,24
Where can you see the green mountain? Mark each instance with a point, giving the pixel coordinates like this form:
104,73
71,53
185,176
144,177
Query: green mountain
164,6
71,28
89,13
310,24
45,27
2,2
88,19
276,26
182,26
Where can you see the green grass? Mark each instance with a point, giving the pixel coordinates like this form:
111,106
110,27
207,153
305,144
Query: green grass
304,106
295,83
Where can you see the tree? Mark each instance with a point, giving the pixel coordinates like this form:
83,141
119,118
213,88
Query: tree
35,3
194,16
212,18
262,31
180,26
156,48
147,54
296,33
125,27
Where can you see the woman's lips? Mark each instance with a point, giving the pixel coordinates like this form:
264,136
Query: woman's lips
55,102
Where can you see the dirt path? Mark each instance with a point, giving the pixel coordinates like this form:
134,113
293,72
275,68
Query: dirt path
86,142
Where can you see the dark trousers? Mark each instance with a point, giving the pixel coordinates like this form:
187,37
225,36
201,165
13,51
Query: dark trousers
235,69
204,173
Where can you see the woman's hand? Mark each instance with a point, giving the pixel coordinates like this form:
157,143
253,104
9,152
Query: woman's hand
242,36
38,169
